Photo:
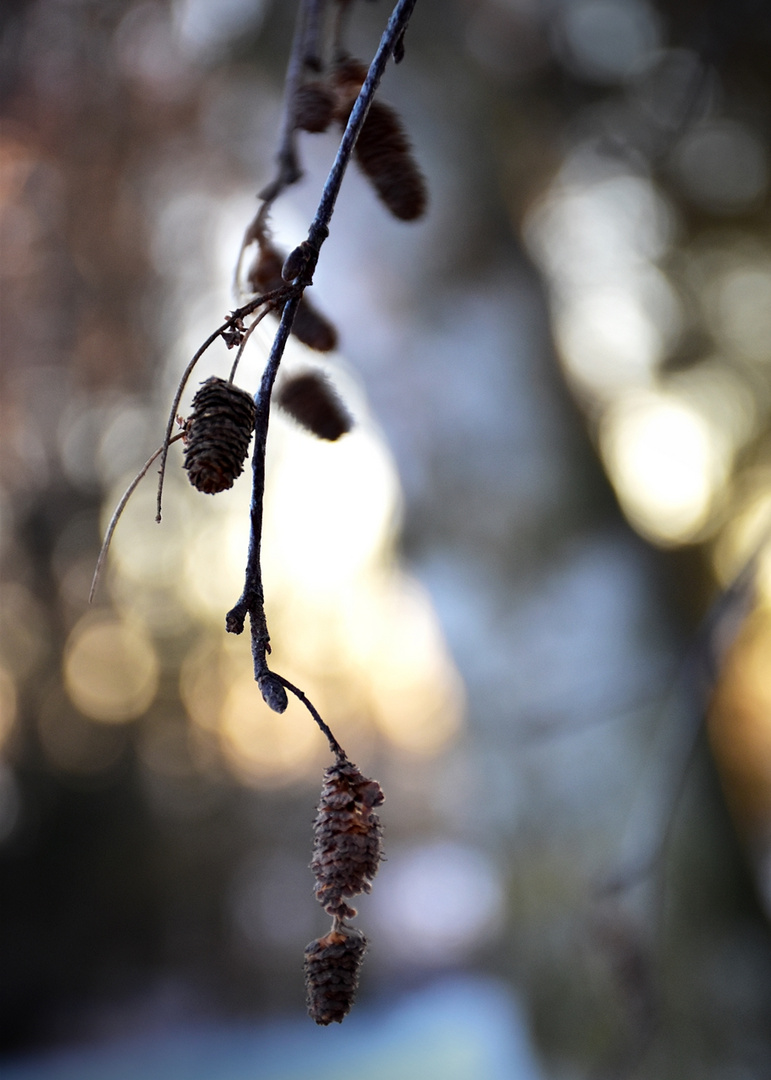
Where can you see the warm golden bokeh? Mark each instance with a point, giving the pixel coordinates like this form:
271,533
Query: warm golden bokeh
740,724
110,669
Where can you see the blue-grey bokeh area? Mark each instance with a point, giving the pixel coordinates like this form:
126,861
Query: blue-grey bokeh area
515,590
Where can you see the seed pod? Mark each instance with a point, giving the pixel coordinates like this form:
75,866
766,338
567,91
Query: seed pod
332,973
217,435
314,106
346,845
309,326
312,401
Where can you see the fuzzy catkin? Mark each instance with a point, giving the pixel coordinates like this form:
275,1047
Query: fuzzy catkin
311,400
382,151
217,435
314,106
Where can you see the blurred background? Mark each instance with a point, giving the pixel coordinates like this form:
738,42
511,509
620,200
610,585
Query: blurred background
511,590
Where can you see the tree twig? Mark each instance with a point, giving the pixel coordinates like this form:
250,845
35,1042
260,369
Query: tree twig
117,512
251,601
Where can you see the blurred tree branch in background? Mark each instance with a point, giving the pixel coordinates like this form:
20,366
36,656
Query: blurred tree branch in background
569,366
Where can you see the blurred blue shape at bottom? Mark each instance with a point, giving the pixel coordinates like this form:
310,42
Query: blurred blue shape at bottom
460,1029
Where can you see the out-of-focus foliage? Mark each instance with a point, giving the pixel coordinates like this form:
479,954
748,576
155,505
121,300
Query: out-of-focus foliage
560,383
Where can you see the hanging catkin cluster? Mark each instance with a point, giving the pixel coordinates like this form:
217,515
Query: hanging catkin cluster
346,856
217,435
382,151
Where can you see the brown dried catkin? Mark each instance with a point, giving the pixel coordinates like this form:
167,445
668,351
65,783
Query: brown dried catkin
311,400
332,974
382,151
347,838
309,325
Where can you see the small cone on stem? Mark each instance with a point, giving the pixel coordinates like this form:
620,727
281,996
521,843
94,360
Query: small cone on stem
217,435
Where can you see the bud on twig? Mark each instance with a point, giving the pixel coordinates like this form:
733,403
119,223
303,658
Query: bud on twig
309,326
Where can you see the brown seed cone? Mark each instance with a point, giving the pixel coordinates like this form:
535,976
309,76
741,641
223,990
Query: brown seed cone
309,325
314,106
332,973
217,435
312,401
347,838
382,150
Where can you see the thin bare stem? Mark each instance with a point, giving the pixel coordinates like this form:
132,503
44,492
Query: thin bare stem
118,511
244,340
313,32
334,745
251,601
174,411
288,169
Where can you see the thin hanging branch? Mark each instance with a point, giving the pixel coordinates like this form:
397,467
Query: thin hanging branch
303,263
347,847
118,511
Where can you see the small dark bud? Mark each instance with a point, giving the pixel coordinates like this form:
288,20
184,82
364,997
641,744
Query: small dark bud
312,401
346,838
265,272
399,48
296,262
273,692
332,974
232,338
309,326
314,107
217,435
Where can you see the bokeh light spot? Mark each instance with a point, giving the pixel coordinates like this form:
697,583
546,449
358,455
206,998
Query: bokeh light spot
7,704
722,166
608,39
663,461
744,311
110,669
264,747
436,902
